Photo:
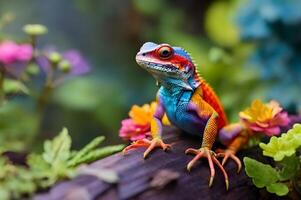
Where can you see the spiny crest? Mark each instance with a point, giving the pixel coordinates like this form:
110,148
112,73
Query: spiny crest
182,52
185,54
188,56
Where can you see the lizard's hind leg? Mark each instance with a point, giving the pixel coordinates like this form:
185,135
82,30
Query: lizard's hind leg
206,152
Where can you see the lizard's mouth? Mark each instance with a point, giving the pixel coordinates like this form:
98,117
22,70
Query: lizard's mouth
157,68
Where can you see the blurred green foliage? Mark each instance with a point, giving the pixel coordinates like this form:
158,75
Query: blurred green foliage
57,162
17,127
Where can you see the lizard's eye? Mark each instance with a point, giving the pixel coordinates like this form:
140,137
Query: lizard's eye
165,52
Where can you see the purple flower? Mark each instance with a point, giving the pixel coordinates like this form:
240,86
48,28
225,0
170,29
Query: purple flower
78,64
11,52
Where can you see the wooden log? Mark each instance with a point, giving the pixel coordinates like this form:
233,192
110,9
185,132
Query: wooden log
162,176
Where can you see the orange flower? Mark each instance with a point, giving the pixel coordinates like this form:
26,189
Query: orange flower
138,125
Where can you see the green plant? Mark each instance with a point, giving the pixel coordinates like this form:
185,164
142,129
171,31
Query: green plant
283,150
29,75
57,162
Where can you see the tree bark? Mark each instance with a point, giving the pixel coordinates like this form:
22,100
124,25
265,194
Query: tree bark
162,176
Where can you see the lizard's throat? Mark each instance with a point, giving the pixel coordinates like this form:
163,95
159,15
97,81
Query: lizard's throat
178,83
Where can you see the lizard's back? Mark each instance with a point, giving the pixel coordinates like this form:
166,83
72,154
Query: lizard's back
211,98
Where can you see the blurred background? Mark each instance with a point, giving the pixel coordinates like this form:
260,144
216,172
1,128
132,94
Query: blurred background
244,49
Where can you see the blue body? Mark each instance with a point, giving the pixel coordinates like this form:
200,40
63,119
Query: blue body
176,102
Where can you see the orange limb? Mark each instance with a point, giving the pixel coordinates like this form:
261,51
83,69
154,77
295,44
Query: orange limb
210,155
205,151
149,144
233,147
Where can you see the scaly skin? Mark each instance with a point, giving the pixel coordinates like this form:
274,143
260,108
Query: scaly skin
189,102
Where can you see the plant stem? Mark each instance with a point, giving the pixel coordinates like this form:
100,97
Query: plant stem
2,93
46,93
43,100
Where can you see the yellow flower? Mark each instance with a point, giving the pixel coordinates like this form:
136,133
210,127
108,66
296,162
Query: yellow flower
260,112
265,118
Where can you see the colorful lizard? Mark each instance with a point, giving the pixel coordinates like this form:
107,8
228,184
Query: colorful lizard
190,104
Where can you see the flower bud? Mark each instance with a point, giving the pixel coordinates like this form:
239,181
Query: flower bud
35,29
33,69
55,57
65,66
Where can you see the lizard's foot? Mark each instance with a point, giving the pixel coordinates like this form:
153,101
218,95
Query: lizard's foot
149,144
211,157
226,154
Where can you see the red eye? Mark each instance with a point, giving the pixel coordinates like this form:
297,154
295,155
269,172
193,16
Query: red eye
165,52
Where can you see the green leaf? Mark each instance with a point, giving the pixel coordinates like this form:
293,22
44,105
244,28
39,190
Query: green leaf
278,188
286,145
100,153
38,165
14,86
290,165
58,149
4,194
261,174
89,147
17,127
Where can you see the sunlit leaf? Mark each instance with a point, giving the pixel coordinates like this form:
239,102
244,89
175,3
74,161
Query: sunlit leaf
58,149
100,153
278,188
14,86
290,166
89,147
261,174
286,145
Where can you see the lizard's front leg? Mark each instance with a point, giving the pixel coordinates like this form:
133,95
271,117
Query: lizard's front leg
209,136
156,133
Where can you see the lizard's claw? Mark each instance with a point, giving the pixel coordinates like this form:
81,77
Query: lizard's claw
211,157
226,154
149,144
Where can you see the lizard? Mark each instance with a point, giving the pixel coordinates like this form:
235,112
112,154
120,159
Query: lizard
190,104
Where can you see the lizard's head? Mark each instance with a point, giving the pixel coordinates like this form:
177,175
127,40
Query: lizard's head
169,65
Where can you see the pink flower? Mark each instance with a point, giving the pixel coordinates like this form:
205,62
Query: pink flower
130,130
138,125
265,118
11,52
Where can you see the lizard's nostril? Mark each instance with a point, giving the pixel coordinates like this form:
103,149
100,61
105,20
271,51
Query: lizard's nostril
144,54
